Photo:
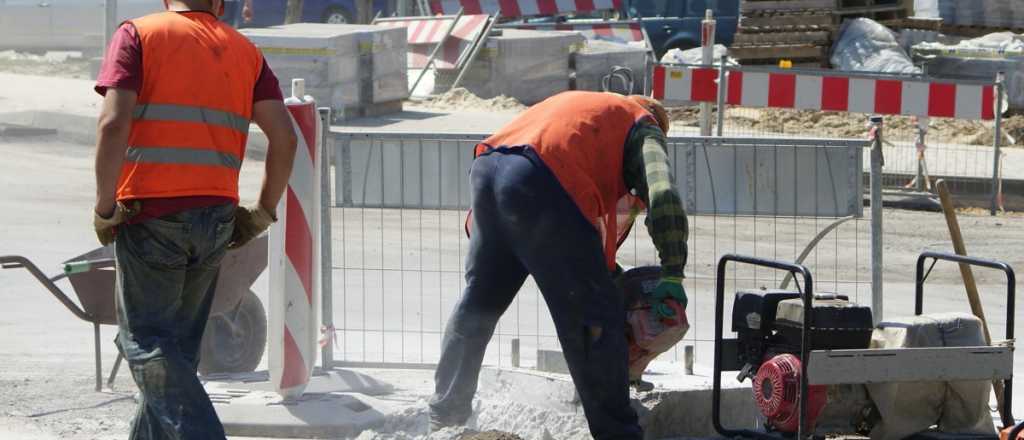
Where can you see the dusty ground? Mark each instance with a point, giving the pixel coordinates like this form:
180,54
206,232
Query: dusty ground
59,64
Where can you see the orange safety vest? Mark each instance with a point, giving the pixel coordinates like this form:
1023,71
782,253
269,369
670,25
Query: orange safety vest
193,111
581,137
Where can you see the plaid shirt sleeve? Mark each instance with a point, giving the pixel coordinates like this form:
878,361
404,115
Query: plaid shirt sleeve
646,170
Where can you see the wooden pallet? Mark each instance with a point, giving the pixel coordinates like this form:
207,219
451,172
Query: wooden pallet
749,6
802,19
924,24
775,38
771,54
975,31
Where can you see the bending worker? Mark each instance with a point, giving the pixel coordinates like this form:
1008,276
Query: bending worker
180,88
549,191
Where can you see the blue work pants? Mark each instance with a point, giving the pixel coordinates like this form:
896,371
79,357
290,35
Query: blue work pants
524,223
166,275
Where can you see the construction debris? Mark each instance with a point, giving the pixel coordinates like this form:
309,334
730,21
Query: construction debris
460,99
864,45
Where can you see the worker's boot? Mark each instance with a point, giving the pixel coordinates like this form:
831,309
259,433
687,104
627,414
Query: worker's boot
641,385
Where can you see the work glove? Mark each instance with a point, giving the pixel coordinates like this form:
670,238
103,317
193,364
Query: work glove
106,228
668,288
250,222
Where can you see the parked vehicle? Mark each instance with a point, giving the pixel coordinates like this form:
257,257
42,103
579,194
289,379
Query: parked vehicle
271,12
676,24
41,25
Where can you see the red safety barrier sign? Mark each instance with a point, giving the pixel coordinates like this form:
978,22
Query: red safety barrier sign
521,8
424,34
812,91
295,259
621,31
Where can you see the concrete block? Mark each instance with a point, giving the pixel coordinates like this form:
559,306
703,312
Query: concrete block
552,361
598,58
389,87
526,65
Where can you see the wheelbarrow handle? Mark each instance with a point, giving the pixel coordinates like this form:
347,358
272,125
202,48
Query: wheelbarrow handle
19,262
82,266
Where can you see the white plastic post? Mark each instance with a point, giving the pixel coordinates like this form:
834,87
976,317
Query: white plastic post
707,42
295,254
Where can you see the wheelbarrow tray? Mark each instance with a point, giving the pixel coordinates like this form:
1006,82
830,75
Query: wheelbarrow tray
95,286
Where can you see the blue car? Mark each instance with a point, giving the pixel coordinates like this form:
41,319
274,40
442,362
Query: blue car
675,24
271,12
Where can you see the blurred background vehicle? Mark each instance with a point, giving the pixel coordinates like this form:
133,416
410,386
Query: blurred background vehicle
675,24
271,12
61,25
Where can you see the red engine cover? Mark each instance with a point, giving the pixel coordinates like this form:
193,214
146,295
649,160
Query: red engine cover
776,387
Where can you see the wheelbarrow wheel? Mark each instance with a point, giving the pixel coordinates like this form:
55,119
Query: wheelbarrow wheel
235,340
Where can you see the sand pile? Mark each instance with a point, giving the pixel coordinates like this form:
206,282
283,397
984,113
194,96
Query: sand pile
460,99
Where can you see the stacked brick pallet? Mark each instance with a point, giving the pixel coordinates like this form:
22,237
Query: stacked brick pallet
801,30
773,30
981,17
878,10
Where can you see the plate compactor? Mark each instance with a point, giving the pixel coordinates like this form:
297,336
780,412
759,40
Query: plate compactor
801,343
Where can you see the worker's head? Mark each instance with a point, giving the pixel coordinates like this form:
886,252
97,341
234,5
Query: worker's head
215,7
655,108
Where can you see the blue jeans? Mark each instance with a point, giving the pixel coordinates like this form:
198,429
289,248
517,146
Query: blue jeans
524,223
166,275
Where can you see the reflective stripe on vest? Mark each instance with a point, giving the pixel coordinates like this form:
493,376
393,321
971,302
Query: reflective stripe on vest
182,156
185,113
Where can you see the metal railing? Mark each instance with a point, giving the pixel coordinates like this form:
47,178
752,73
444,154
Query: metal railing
398,244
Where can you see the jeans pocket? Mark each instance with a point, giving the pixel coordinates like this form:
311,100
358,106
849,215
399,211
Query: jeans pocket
157,243
222,232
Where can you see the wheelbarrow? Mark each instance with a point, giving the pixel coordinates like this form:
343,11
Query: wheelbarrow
236,332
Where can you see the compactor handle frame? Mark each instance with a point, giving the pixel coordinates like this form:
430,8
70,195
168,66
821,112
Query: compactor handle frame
1011,294
807,294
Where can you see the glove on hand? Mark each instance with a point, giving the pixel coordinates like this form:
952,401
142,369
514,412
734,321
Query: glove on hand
106,227
668,288
250,222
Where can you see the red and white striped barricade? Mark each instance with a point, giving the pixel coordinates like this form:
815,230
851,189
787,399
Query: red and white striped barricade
295,257
521,8
617,31
425,33
825,91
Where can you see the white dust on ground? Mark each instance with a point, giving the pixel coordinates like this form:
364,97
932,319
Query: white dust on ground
58,64
460,99
497,413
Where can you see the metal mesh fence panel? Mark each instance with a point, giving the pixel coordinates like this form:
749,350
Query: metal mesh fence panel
399,241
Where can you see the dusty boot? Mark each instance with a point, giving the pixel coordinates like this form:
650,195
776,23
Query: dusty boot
641,385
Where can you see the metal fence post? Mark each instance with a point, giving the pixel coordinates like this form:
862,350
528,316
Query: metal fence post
722,90
326,263
998,140
109,22
877,162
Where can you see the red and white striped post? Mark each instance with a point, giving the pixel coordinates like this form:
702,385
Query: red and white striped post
295,257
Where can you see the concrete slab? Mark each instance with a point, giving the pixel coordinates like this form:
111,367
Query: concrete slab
337,403
314,415
682,409
331,381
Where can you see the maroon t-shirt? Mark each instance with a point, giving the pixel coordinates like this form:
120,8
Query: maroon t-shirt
122,69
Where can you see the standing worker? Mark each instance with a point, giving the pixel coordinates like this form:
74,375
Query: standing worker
180,88
553,197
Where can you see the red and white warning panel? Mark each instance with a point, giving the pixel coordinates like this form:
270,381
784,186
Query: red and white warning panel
425,33
295,257
521,8
626,31
812,91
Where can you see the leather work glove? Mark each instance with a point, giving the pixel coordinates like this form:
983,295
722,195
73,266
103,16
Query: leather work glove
106,228
668,288
250,222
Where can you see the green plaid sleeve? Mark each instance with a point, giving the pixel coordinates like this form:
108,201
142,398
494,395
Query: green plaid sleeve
646,169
